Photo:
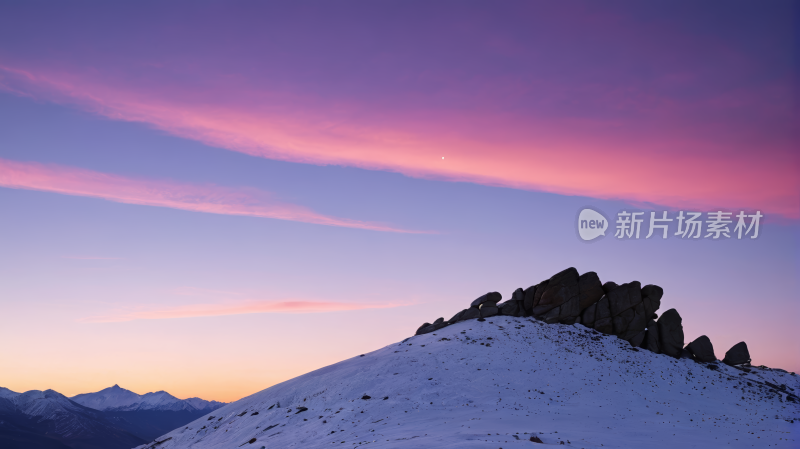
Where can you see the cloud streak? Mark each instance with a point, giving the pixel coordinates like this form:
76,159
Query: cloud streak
234,308
566,156
208,198
573,99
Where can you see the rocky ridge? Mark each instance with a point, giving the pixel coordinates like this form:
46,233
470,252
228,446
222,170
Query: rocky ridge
627,311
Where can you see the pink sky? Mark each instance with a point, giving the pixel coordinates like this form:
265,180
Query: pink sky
679,169
323,177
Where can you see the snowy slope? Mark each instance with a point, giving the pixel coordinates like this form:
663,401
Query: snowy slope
497,383
119,399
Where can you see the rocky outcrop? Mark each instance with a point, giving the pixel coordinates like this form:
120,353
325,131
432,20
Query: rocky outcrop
737,355
670,333
627,311
491,298
651,340
702,350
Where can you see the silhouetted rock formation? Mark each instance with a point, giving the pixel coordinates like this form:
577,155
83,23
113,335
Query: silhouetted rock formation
702,350
627,311
737,355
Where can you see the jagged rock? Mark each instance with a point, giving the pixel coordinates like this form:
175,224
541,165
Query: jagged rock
637,340
457,317
587,316
670,333
419,329
621,321
608,286
737,355
629,317
702,350
590,289
651,339
433,327
537,295
570,320
510,308
486,312
527,302
471,313
561,288
602,318
566,313
624,297
637,324
491,297
518,295
651,297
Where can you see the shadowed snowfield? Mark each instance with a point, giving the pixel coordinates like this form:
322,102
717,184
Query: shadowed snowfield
499,382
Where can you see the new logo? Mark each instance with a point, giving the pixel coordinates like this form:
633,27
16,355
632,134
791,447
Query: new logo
591,224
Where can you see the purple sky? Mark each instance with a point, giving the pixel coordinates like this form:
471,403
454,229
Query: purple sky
210,198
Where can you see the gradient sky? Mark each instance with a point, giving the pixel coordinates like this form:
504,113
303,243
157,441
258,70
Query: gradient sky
209,198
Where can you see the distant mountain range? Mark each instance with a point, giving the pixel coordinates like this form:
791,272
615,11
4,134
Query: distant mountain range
116,399
113,418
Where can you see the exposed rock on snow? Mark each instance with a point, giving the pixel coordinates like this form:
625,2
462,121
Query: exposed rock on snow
503,383
627,311
670,333
737,355
702,350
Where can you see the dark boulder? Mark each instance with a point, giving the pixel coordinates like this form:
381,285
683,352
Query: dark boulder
608,286
670,333
737,355
419,329
590,289
621,321
624,297
527,302
702,350
510,308
561,288
651,297
636,340
433,327
471,313
637,323
493,298
518,295
457,317
566,313
487,311
439,321
537,295
651,342
602,318
587,316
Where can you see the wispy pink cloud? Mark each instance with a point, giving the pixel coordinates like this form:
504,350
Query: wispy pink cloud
192,197
234,308
682,165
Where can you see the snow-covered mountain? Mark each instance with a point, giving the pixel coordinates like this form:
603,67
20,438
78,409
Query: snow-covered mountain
109,419
504,383
50,419
119,399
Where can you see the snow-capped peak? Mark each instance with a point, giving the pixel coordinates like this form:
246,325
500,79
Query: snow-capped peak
119,399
